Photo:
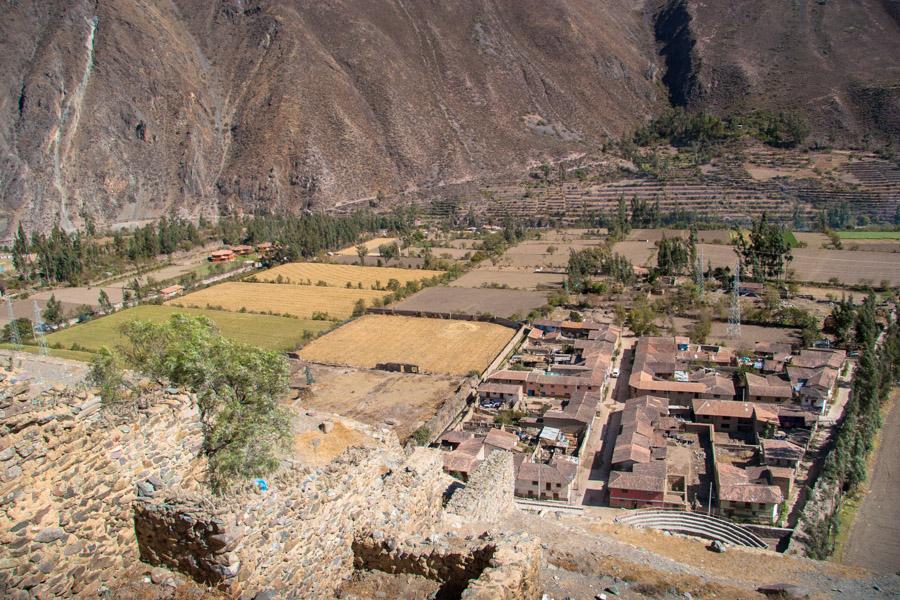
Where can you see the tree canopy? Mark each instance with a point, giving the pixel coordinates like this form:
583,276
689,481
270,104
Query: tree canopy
237,388
766,254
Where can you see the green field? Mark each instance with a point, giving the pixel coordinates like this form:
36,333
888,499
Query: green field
264,331
791,239
868,235
69,354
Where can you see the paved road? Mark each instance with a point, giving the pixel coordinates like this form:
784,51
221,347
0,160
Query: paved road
874,540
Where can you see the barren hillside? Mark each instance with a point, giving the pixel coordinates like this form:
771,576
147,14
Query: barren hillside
835,62
126,109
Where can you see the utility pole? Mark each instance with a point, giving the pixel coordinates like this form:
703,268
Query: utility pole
734,316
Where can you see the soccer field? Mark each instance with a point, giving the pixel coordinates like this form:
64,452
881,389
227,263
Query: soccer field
264,331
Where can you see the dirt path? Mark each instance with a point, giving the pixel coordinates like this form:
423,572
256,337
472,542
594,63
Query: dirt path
874,540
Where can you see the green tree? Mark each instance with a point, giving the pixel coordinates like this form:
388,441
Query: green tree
359,308
389,251
23,327
106,374
53,311
361,251
237,389
641,318
766,254
701,328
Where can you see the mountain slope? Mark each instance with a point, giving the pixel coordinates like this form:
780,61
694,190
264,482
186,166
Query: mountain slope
834,62
126,109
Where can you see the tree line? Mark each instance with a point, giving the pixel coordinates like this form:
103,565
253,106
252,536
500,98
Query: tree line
845,467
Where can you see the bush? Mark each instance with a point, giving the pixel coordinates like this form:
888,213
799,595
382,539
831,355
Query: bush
421,436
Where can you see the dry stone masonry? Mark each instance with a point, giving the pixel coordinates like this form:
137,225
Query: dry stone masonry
87,493
488,494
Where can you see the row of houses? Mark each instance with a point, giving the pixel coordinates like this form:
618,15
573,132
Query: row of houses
231,253
680,371
660,460
555,408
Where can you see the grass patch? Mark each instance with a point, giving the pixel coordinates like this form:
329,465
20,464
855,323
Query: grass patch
868,235
263,331
790,238
56,352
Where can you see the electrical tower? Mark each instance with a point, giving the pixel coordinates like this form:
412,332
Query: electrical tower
39,329
734,316
13,326
699,279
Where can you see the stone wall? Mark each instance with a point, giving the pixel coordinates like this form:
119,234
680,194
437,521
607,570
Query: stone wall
297,536
67,481
489,492
489,568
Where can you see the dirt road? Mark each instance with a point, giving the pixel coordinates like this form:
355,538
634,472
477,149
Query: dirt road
874,540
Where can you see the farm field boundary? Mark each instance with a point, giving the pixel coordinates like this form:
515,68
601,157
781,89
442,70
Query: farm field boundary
264,331
348,276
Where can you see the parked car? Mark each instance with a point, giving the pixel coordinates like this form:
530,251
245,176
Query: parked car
615,372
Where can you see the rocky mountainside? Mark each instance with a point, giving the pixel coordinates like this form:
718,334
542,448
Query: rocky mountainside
834,62
123,110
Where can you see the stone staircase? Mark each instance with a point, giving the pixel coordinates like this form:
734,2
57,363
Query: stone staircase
694,524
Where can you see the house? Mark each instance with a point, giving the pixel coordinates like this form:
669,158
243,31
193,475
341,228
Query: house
666,367
639,439
465,457
495,395
219,256
781,453
264,247
747,494
242,249
770,388
576,416
814,359
542,481
647,485
751,289
815,386
497,439
171,291
730,416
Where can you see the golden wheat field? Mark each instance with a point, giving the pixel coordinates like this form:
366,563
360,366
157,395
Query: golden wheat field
435,345
371,246
341,275
298,300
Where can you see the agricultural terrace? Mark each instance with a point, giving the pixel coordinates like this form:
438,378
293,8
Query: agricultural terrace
343,275
265,331
371,246
301,301
435,345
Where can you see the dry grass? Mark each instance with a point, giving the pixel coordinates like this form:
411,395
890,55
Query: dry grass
341,275
435,345
298,300
371,246
316,448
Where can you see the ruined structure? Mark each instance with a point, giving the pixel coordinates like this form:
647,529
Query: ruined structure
88,493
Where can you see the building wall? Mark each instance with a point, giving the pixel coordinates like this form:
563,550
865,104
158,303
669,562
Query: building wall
625,498
757,512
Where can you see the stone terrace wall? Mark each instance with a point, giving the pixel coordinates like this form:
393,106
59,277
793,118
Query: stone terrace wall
489,492
489,568
67,482
296,538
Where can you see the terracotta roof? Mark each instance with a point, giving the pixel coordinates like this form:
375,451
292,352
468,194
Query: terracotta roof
766,413
771,386
457,437
737,485
812,359
501,439
172,289
649,477
558,471
461,463
723,408
510,375
781,450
